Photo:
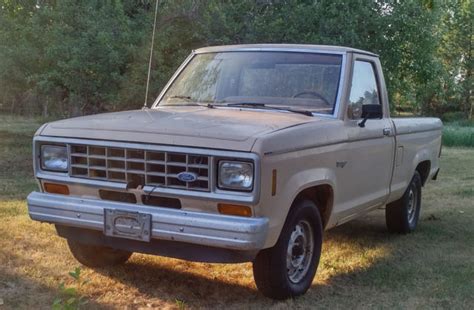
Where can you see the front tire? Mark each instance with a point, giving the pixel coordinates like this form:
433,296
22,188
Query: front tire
97,256
402,215
287,269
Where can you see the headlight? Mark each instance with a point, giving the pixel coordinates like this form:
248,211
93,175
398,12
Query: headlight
235,175
54,157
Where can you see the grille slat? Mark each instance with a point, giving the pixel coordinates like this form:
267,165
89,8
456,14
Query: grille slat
154,168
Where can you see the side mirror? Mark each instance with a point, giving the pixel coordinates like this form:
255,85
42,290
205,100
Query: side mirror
371,111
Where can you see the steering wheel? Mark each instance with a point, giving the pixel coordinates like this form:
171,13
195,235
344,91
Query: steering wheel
311,92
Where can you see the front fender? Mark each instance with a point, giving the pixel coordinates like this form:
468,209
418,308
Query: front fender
291,187
306,179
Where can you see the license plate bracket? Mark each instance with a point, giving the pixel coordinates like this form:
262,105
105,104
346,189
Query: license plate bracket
127,224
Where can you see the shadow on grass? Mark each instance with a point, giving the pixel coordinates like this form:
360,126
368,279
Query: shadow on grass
200,289
169,284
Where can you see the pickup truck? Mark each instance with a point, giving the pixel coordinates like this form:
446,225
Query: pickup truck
248,154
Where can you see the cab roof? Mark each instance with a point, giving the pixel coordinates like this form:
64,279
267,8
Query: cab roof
283,48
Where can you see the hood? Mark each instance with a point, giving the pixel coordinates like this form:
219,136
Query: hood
217,128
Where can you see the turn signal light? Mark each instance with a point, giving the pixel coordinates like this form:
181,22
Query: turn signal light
229,209
56,188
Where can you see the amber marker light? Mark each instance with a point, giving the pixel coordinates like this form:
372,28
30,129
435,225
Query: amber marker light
56,188
238,210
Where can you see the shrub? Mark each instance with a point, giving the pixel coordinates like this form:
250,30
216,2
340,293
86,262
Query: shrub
69,298
456,134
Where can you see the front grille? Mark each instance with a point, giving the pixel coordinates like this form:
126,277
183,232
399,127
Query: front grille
140,167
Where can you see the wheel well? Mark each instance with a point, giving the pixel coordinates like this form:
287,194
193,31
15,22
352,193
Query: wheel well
322,196
423,169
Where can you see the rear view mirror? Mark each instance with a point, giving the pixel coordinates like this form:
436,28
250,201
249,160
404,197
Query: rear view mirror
371,111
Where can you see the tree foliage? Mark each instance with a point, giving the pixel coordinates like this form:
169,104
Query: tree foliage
74,57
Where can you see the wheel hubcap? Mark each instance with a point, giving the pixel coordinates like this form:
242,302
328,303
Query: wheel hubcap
412,202
300,251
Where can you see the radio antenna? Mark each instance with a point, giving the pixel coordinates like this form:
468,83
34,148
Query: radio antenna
151,56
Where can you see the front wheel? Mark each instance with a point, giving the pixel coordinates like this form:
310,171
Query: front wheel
402,215
288,269
97,256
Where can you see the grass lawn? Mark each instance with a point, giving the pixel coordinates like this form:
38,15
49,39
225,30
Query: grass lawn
362,265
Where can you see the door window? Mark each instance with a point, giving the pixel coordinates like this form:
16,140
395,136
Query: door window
364,84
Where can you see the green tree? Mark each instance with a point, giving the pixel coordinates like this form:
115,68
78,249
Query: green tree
77,57
455,55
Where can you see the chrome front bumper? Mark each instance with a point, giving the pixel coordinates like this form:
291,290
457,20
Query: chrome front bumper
229,232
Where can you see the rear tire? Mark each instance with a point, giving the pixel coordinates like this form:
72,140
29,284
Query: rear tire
402,215
97,256
287,269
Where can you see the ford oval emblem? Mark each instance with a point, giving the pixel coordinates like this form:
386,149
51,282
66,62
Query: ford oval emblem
187,176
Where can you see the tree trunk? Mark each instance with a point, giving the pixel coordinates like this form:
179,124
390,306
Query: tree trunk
45,108
12,106
471,112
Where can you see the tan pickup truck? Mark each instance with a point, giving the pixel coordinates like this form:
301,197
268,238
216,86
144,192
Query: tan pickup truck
249,153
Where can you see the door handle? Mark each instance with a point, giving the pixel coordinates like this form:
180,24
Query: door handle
387,131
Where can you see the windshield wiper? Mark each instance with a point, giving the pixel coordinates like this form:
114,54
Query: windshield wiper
263,106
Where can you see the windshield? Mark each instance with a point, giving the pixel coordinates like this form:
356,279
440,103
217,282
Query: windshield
306,81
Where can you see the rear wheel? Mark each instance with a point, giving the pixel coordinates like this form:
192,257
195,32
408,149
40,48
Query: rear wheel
402,215
288,269
97,256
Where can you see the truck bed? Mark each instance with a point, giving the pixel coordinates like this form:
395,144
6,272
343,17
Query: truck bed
417,140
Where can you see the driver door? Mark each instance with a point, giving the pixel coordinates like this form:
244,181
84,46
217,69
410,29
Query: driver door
365,181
